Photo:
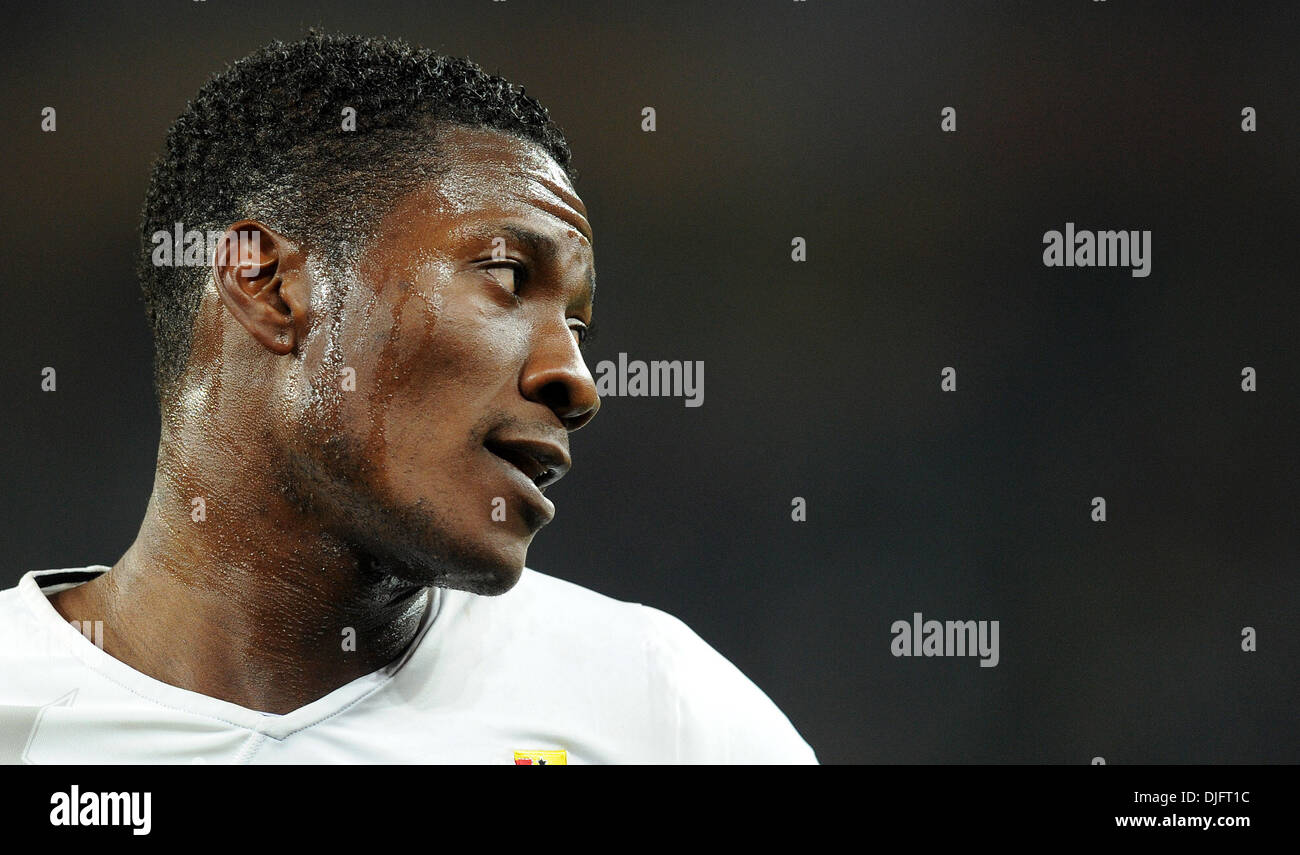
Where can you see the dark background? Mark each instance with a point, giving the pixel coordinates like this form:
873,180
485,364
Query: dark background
819,119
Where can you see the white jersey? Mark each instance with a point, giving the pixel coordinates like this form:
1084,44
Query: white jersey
549,672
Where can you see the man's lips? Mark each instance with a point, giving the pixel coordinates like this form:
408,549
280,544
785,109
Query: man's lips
542,462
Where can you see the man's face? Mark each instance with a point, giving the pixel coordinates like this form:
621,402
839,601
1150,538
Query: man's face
468,370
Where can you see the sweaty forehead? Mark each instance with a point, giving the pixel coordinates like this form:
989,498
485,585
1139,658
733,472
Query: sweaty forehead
485,170
485,177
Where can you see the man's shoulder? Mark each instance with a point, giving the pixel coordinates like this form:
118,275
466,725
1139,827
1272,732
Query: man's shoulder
558,604
13,614
544,589
666,641
38,648
717,713
552,612
16,601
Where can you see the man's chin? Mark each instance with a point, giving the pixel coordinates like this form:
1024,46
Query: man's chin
487,581
487,572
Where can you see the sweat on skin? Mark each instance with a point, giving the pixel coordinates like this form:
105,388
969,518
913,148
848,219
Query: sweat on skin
468,372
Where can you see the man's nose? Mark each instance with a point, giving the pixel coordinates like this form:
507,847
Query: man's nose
556,376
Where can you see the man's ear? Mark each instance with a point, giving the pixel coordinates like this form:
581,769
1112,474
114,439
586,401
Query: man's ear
262,279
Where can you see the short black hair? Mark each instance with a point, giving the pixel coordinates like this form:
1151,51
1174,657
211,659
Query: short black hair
265,139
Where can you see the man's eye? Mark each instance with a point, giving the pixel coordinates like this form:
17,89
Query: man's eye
583,331
508,276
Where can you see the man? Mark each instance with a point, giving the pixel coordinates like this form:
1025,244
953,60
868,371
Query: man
365,393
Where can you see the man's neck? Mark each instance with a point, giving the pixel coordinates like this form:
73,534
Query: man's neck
259,615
